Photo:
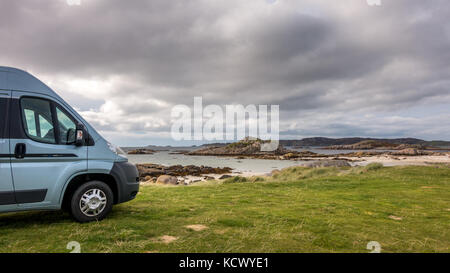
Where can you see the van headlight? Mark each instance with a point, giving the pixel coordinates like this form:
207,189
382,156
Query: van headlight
116,149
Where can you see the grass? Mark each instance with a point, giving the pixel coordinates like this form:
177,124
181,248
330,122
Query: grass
405,209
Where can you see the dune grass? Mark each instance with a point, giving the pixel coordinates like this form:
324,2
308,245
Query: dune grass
405,209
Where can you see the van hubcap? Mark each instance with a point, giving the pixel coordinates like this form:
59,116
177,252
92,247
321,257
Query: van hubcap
93,202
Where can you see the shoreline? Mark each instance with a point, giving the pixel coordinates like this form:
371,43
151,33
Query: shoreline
385,159
388,160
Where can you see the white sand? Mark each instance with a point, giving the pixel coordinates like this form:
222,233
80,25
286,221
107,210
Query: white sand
388,160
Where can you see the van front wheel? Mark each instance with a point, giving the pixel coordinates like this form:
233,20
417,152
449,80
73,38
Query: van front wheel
92,201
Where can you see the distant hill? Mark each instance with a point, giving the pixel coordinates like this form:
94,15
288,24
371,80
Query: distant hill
317,142
324,141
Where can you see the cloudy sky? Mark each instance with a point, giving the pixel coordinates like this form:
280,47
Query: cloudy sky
336,68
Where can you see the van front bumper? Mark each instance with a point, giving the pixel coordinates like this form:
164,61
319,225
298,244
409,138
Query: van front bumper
127,179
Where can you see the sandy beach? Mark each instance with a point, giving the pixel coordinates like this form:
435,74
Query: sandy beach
389,160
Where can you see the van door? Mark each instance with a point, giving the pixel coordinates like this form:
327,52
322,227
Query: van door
44,154
6,183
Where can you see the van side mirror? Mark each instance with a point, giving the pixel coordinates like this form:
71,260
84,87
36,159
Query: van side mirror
80,136
70,136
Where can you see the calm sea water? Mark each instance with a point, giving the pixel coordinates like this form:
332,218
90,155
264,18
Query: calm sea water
254,166
257,166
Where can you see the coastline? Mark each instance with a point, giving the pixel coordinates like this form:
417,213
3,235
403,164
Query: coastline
247,158
385,159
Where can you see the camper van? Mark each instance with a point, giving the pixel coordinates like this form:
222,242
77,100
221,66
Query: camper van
51,158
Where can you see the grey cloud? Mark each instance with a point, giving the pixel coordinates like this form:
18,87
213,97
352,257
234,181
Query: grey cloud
309,57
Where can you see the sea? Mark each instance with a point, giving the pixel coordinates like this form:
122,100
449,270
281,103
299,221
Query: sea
170,157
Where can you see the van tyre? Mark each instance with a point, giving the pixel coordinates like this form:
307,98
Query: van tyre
92,201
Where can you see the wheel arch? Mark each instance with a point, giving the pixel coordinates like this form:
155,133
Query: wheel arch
82,178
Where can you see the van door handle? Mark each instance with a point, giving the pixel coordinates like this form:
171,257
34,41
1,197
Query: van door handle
20,150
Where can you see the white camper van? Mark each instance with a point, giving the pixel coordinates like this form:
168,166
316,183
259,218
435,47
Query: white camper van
51,158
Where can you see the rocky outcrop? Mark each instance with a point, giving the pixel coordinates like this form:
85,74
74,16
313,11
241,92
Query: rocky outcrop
151,171
413,152
363,145
245,147
156,170
248,148
179,152
360,154
375,145
295,155
409,146
403,152
142,151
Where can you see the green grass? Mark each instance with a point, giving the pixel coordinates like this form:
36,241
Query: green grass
298,210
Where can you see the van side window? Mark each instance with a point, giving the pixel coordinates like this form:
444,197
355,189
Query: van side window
67,127
38,119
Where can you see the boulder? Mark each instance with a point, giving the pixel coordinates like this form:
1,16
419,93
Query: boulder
225,176
167,179
408,151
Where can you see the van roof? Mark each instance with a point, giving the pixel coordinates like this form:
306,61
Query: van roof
14,79
19,80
